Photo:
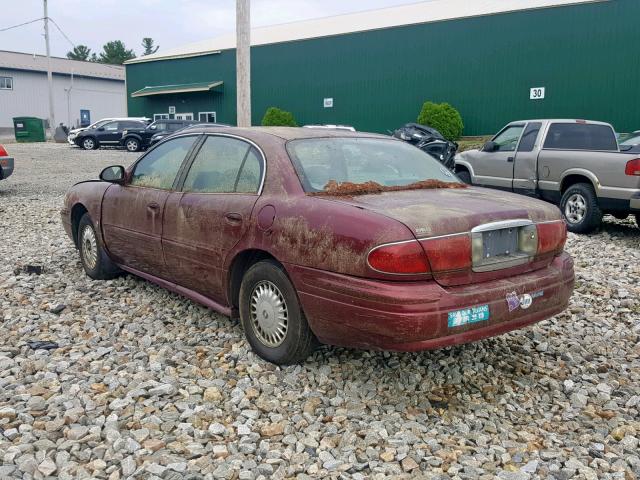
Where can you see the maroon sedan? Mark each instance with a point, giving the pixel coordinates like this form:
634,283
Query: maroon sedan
324,236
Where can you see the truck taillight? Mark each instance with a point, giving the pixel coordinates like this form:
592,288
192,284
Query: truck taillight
633,167
403,258
3,152
448,253
551,237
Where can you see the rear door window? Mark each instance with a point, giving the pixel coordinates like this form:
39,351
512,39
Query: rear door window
507,140
580,136
529,136
225,165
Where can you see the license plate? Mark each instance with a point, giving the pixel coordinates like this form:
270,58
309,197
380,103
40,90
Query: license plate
458,318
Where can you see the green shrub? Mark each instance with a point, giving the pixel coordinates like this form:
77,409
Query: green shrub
274,117
444,118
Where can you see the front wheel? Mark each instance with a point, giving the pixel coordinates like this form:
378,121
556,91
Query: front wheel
132,144
94,258
579,205
464,176
89,143
271,316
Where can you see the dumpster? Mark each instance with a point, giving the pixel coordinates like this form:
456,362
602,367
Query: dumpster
29,129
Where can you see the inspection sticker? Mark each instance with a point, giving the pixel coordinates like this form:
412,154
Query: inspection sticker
469,315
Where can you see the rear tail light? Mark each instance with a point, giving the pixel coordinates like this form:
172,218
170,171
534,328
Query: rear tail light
528,240
3,152
448,253
633,167
551,237
404,258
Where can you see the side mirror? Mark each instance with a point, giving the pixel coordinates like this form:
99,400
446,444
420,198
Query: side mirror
114,174
490,147
101,129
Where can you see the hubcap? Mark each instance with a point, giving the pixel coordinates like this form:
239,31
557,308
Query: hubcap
132,145
269,314
89,247
88,144
575,208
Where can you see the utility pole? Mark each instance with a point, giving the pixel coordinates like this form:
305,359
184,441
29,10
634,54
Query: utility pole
52,119
243,62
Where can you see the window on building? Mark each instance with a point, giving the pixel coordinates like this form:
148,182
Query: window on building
225,165
6,83
581,136
160,116
207,117
184,116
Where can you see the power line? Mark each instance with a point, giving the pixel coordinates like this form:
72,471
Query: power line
61,32
21,24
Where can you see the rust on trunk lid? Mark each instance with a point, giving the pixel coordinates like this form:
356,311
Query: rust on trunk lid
348,189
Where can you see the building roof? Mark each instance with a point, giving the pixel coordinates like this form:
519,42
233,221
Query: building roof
414,13
64,66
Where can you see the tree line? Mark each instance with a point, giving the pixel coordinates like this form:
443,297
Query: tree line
113,53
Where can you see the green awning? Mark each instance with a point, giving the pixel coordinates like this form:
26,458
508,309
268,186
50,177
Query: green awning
180,88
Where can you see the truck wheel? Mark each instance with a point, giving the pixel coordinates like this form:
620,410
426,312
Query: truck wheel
94,258
465,177
271,315
580,208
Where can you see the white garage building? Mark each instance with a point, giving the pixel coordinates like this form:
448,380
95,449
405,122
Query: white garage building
80,89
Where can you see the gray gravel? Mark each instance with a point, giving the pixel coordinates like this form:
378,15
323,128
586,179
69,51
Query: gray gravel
147,384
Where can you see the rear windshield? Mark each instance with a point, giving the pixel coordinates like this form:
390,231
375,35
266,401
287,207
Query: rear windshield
390,163
581,136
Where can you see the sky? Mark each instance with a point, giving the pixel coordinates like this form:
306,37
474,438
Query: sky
170,23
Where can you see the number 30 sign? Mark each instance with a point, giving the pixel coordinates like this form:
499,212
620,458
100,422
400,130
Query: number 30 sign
536,93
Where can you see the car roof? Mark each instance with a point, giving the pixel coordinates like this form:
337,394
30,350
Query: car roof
286,133
560,120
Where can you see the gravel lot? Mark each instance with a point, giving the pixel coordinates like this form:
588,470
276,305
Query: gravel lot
147,384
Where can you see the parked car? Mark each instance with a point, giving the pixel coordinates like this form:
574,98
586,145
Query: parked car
136,139
107,134
429,140
161,135
73,133
576,164
631,143
6,164
344,238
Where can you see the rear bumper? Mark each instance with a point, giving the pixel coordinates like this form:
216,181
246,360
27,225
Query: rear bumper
6,167
410,316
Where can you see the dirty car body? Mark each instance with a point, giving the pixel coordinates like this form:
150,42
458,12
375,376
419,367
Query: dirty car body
405,268
6,164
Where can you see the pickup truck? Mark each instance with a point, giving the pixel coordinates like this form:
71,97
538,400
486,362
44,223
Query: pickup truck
576,164
6,164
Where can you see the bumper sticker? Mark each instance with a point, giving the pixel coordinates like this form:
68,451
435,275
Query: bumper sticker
458,318
523,301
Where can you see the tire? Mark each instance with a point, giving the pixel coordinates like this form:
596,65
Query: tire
465,176
89,143
94,258
579,206
637,215
266,294
132,144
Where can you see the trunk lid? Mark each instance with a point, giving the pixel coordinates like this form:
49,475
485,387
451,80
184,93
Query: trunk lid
446,212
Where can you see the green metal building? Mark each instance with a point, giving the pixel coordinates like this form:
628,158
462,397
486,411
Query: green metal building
491,59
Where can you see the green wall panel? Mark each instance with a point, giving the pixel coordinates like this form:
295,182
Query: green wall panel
585,55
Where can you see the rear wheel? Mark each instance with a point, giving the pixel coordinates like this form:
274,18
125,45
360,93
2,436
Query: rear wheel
94,258
271,316
580,209
464,176
132,144
89,143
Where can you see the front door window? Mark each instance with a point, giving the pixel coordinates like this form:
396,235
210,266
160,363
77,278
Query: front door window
507,140
158,169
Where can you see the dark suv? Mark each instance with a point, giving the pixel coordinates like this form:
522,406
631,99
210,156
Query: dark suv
108,134
138,139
